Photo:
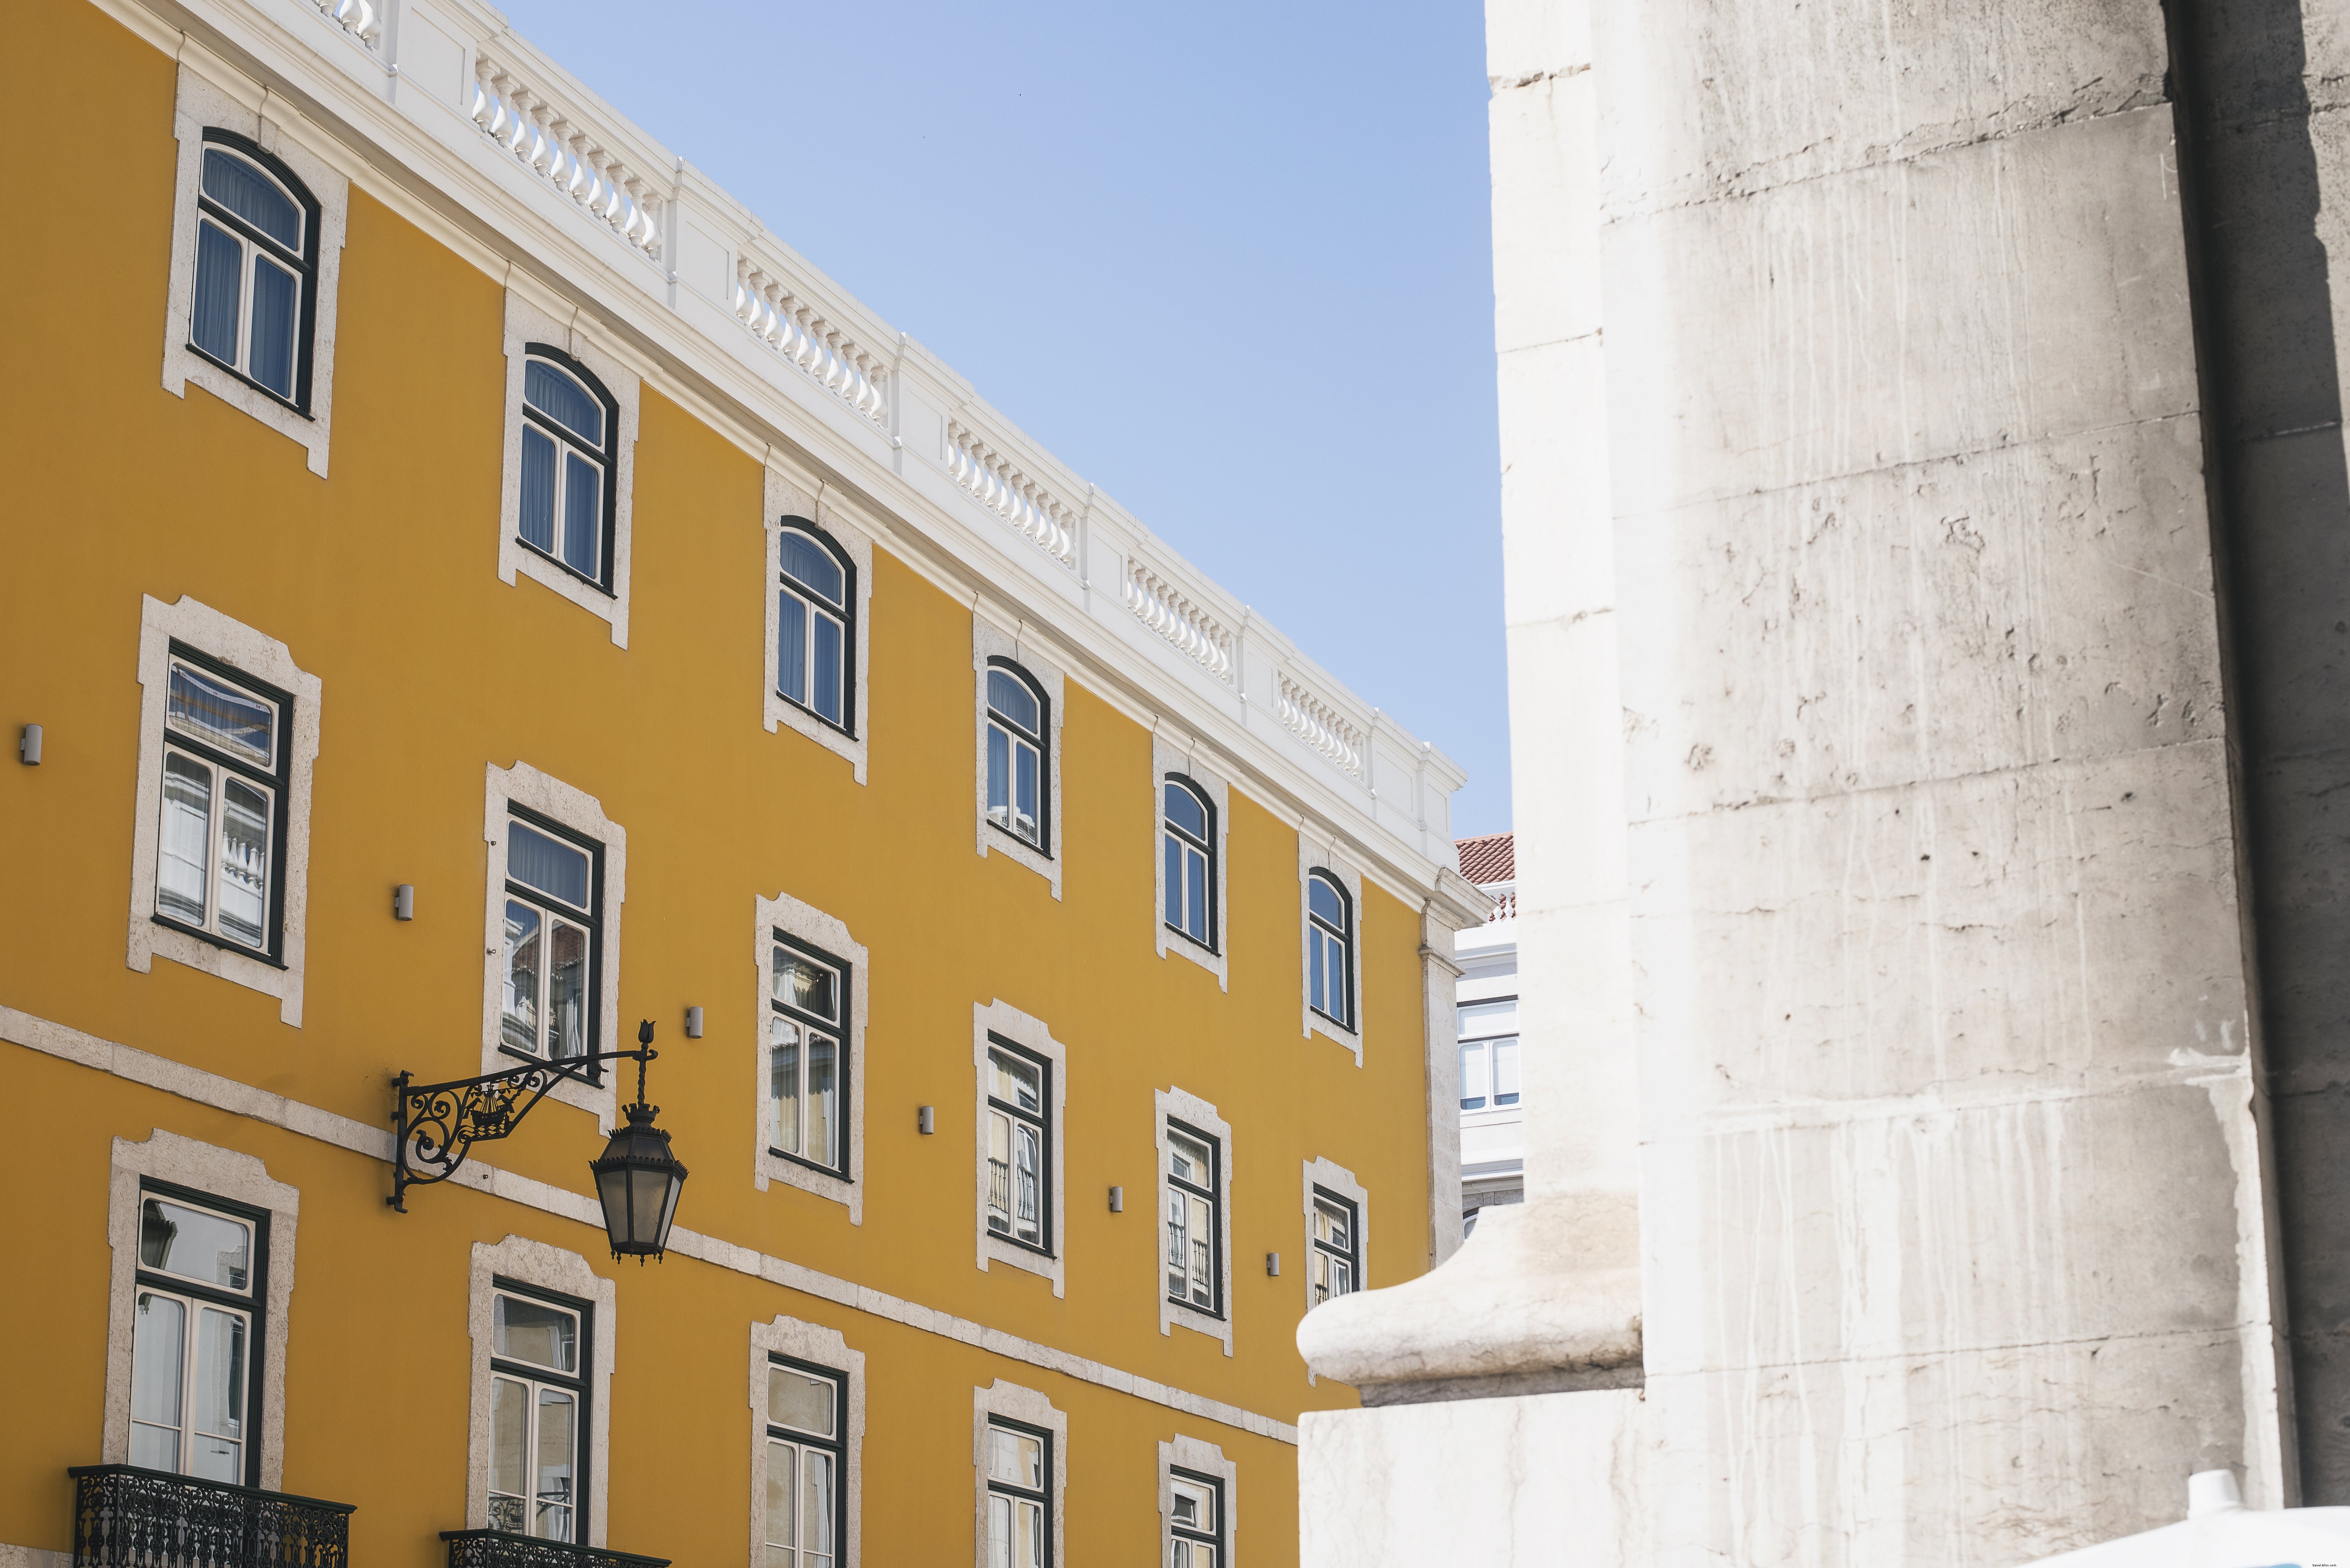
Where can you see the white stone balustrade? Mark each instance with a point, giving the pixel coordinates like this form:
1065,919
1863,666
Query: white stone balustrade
358,17
1315,722
792,328
1195,634
1003,490
535,131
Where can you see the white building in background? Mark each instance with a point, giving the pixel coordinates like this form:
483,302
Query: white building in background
1493,1087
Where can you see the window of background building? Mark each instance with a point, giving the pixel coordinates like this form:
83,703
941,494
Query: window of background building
1019,1146
807,1070
222,833
257,261
1330,950
1195,1523
813,640
1017,770
1336,1264
538,1395
1194,1271
195,1354
1191,842
569,438
553,908
1489,1055
805,1461
1019,1495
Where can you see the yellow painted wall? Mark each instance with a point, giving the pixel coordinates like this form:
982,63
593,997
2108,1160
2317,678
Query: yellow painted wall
382,580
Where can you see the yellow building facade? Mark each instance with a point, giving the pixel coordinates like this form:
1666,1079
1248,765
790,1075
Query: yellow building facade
468,589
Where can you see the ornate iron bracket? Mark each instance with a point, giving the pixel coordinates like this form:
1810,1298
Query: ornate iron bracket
436,1125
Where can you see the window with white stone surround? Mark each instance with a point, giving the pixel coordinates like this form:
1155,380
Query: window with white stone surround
1017,721
1330,929
565,513
807,1439
1019,1464
552,1339
203,1244
1194,1257
228,733
1199,1503
257,258
809,1053
814,687
1021,1087
1188,852
1338,1232
557,877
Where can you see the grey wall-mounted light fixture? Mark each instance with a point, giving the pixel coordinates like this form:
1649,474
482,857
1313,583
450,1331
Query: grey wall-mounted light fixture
1118,1200
1272,1264
926,1121
693,1023
28,746
403,901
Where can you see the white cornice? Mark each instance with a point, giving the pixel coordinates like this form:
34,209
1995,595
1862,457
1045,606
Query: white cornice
374,112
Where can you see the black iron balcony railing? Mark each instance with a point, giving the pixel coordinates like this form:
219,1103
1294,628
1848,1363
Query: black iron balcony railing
503,1548
125,1517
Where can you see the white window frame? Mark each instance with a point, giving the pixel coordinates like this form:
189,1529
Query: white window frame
224,100
1312,857
264,659
1338,1181
525,786
805,504
805,923
820,1346
536,1380
551,1269
1000,1018
1188,1453
1030,1408
531,321
987,642
237,1178
1179,1104
1165,760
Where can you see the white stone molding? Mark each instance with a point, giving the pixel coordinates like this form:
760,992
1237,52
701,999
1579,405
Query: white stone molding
1173,1104
1165,759
821,931
787,499
1014,1403
987,642
1193,632
1440,976
1321,726
205,629
1005,1021
545,138
1313,856
529,1263
819,1346
238,1179
373,1141
228,102
1203,1459
527,323
525,786
1337,1180
821,349
999,485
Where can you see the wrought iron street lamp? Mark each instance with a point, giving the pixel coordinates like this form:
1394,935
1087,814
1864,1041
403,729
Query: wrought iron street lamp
436,1125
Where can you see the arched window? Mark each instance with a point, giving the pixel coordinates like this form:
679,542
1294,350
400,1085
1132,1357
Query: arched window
256,268
1189,842
1329,949
814,648
570,434
1017,777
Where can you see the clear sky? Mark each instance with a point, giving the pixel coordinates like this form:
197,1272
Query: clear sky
1230,262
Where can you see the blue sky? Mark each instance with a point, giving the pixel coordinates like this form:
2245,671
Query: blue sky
1231,263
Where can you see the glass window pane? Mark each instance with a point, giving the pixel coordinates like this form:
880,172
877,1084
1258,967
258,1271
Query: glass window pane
999,778
509,1442
557,394
1015,1080
811,566
1326,901
1188,1159
823,1101
999,1172
791,645
783,1083
1031,1536
1195,1505
253,196
1505,1072
1017,1459
999,1532
1473,1077
539,860
1317,988
1027,1183
537,522
537,1332
159,1341
518,1026
799,1400
1202,1265
1011,696
1025,820
828,682
182,857
1178,1242
176,1239
216,1445
220,286
245,864
783,1491
566,990
1174,878
222,716
583,514
556,1412
816,1505
1195,887
277,311
801,982
1331,1223
1184,811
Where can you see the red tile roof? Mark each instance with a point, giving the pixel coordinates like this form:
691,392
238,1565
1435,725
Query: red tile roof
1491,859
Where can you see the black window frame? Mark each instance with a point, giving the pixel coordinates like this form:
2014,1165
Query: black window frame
608,459
1353,1254
1041,1118
281,788
1214,1193
1207,848
836,1444
1043,741
583,1463
594,921
1042,1495
307,265
846,611
256,1303
1214,1539
1346,946
839,1029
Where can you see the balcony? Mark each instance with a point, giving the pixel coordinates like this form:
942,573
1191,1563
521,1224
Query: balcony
501,1548
125,1517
